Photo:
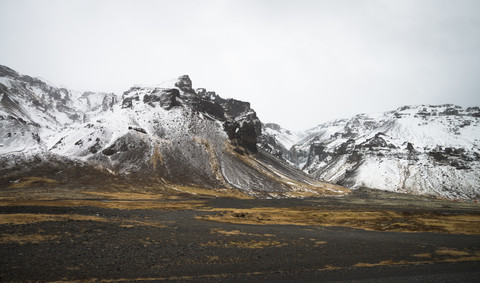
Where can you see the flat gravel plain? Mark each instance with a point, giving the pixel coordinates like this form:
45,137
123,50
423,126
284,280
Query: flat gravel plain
119,240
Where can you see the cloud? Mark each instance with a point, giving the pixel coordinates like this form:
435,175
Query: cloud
298,62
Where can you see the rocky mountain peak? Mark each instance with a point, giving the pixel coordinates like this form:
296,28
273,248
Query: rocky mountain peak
7,72
185,84
156,136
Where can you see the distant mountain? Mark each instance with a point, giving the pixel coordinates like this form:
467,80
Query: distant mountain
424,149
167,135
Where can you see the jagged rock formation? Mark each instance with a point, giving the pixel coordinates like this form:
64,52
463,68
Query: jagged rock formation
423,149
167,134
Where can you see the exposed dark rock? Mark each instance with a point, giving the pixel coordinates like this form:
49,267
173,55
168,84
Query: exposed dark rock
356,156
128,101
438,156
96,147
244,134
230,127
450,111
185,84
119,146
166,97
318,150
459,165
150,99
36,137
213,109
234,108
109,150
141,130
376,141
346,147
247,136
473,111
410,147
7,72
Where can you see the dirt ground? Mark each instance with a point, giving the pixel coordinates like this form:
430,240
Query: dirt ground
53,234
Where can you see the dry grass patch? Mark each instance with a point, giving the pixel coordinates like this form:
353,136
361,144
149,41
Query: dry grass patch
25,239
218,192
246,244
367,220
382,263
133,223
446,255
28,218
451,252
318,242
113,204
128,196
32,182
257,244
237,232
423,255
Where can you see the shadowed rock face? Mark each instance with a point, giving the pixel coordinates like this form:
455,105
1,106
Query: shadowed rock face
167,98
185,84
152,135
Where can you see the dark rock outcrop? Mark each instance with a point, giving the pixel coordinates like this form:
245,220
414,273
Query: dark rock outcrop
128,101
185,84
166,98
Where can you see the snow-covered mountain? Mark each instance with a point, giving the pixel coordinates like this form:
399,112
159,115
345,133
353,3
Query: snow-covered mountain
168,135
424,149
278,141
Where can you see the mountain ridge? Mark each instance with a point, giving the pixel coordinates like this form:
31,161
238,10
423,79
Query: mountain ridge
169,135
420,149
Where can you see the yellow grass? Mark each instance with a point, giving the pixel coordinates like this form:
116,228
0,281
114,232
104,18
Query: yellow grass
237,232
451,252
367,220
127,195
28,218
422,255
226,193
114,204
31,182
25,239
246,244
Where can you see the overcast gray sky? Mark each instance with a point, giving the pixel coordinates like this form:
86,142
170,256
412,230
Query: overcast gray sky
299,62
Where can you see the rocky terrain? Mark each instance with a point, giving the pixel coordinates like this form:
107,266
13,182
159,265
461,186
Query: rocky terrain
169,135
424,149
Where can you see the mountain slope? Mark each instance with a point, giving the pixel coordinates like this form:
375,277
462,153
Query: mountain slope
423,149
169,135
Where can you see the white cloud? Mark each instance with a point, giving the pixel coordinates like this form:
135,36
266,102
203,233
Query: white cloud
298,62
